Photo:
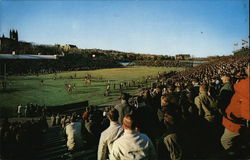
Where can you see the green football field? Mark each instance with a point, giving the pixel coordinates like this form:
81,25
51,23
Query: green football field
29,89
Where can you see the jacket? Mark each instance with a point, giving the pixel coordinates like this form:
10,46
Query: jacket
239,106
113,132
206,106
124,108
133,146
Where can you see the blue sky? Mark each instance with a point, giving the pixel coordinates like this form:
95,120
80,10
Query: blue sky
167,27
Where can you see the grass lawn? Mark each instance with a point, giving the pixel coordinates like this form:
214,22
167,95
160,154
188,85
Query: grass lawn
28,89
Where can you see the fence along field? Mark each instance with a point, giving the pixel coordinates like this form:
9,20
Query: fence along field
69,87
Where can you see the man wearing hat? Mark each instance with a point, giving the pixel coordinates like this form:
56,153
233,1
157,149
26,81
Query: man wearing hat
123,108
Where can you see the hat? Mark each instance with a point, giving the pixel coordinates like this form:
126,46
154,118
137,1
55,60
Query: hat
125,96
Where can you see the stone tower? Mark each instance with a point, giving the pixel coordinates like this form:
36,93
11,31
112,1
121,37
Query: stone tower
14,35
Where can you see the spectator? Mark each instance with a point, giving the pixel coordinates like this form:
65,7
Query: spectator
18,140
94,128
145,125
26,110
172,136
237,117
58,119
196,87
19,110
63,122
226,93
108,136
74,135
87,112
206,105
123,108
132,145
52,120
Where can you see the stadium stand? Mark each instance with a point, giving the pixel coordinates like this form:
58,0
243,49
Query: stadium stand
179,113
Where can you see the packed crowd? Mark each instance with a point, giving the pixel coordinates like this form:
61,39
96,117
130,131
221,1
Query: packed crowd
186,116
20,139
71,62
163,63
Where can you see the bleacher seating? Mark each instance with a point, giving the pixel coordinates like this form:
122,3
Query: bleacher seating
54,148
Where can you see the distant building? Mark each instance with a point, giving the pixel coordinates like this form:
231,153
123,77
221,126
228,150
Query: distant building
68,47
182,56
14,35
9,44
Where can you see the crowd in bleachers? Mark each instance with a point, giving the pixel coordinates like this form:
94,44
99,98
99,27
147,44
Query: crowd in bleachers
182,116
69,62
31,110
163,63
20,139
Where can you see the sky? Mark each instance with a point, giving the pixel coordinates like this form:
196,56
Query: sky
163,27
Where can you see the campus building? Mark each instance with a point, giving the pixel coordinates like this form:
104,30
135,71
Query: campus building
12,44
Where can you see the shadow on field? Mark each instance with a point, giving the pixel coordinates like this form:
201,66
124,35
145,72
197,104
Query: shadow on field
97,85
35,78
80,92
51,85
11,90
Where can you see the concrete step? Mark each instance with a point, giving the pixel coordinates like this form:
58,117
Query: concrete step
55,143
55,139
48,155
44,150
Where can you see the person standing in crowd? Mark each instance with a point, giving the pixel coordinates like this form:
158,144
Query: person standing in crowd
63,119
164,104
145,121
26,110
196,87
226,93
206,104
74,135
52,120
93,127
19,110
207,111
172,137
58,119
132,145
123,108
236,119
108,136
87,112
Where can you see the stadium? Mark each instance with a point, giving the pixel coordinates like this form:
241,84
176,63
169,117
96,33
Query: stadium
63,99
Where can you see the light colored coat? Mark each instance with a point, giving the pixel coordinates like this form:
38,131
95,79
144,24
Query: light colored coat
74,135
133,146
113,132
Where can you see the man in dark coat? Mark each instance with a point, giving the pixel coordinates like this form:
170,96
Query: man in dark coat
226,93
123,108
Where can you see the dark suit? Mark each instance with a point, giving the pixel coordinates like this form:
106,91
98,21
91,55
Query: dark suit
124,108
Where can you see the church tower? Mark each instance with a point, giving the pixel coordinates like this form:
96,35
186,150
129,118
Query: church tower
14,35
